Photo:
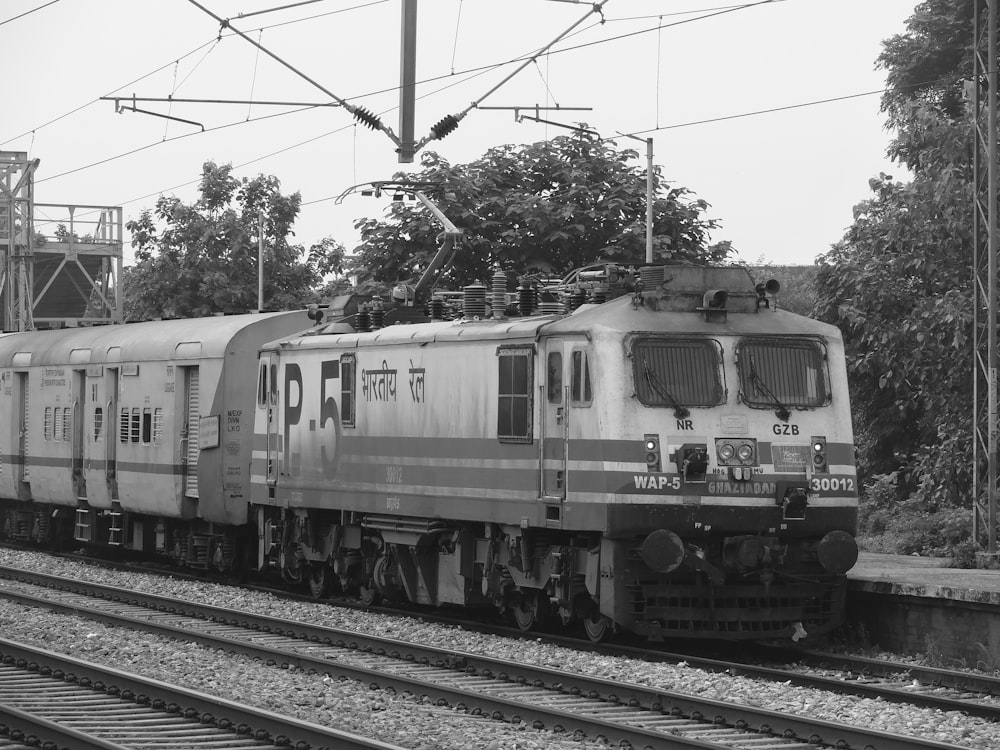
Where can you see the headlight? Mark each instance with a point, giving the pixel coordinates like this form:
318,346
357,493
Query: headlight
726,451
745,452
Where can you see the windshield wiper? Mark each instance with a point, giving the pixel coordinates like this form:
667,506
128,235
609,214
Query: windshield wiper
680,412
782,411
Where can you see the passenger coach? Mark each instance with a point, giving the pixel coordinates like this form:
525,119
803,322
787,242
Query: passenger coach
134,435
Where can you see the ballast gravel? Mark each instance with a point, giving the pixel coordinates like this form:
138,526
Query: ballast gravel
403,721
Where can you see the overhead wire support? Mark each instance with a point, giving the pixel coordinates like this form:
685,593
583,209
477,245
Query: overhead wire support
360,113
577,128
189,100
448,123
280,7
119,108
537,109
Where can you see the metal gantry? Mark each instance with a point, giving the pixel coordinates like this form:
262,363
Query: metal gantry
984,261
63,269
16,211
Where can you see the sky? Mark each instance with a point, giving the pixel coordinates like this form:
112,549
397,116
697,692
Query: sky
769,111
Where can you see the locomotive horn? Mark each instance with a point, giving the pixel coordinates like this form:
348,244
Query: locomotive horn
768,288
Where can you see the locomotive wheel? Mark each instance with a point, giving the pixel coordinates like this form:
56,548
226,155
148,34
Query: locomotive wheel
319,580
525,611
384,581
291,565
597,626
368,594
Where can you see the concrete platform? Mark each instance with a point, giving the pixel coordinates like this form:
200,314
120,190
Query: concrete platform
918,605
923,576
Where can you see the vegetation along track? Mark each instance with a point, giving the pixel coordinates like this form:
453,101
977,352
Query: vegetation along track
60,703
625,715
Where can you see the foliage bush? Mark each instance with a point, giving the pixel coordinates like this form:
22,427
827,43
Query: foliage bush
892,521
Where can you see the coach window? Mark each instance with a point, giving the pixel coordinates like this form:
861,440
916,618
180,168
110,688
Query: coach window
58,428
348,391
581,394
136,421
98,423
554,374
123,426
274,384
147,426
48,429
514,395
157,426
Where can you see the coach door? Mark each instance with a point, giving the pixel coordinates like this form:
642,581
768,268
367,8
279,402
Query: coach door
23,432
554,431
110,442
76,431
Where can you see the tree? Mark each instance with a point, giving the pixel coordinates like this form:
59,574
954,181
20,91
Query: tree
203,259
546,207
899,283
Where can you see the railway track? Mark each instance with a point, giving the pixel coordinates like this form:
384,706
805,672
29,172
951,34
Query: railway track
913,684
57,702
897,682
622,714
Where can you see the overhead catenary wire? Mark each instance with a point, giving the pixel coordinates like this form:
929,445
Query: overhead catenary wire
213,41
28,12
157,143
359,113
73,111
446,125
454,48
527,60
479,69
256,60
771,110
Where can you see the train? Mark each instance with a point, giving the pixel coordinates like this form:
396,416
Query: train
660,451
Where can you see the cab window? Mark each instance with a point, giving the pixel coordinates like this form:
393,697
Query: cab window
677,372
782,372
581,393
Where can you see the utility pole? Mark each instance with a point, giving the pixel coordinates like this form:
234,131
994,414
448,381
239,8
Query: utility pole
407,81
260,260
984,261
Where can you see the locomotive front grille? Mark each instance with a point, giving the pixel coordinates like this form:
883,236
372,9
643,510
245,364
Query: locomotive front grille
749,611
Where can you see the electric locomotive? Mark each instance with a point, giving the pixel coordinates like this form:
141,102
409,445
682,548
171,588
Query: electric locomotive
663,453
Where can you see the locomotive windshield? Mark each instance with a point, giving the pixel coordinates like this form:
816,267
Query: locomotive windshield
677,372
782,372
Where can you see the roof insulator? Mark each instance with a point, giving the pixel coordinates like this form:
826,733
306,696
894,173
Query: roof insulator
365,117
444,126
